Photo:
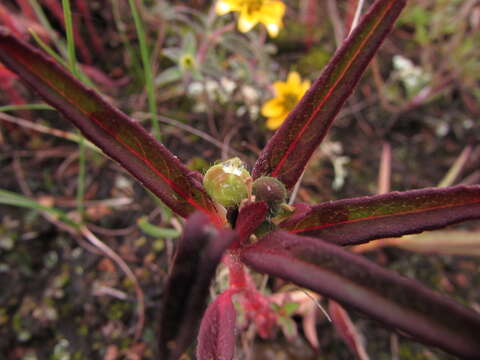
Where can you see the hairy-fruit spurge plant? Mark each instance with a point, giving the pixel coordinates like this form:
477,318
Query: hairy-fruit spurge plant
241,218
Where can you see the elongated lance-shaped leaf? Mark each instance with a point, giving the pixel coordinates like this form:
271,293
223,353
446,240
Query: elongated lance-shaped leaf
197,256
216,338
116,134
250,217
357,220
354,281
289,150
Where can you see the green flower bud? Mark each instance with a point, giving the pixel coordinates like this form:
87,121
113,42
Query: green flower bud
227,182
270,190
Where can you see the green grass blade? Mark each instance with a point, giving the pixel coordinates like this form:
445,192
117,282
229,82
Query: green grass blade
71,55
147,69
72,64
47,48
25,107
156,231
14,199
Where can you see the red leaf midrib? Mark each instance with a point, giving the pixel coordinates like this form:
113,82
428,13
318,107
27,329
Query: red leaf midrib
293,144
146,161
318,227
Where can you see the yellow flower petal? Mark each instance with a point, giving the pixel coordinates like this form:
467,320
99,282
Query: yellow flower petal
246,22
272,108
273,29
276,9
223,7
287,95
271,11
271,14
274,123
293,79
280,87
252,12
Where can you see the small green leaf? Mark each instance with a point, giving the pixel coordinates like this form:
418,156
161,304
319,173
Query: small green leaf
167,76
289,326
156,231
289,308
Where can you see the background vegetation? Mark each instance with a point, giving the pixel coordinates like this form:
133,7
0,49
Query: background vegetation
413,122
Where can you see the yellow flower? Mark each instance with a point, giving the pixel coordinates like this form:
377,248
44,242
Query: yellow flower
252,12
287,95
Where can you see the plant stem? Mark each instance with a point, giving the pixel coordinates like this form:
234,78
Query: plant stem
71,55
147,69
456,168
48,49
121,29
42,18
236,271
42,128
72,64
81,177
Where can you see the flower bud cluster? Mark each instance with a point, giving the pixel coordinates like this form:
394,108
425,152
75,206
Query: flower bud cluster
227,182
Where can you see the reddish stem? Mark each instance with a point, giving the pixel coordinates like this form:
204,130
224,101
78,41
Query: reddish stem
256,305
236,270
87,16
211,40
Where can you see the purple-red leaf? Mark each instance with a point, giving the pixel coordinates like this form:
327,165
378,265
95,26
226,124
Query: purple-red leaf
250,217
198,254
216,338
116,134
352,280
353,221
289,150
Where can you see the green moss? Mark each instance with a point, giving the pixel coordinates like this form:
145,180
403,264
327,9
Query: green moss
314,60
82,330
117,310
407,353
